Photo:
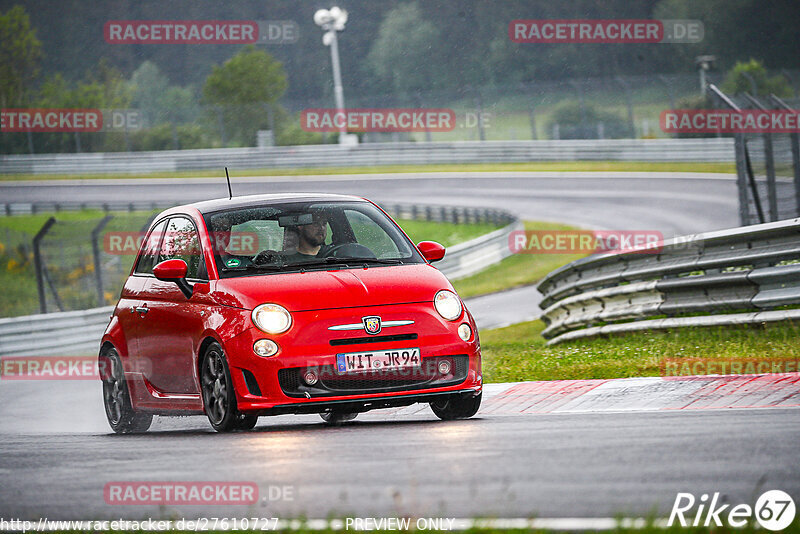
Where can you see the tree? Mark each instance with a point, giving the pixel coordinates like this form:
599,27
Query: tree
738,80
20,53
405,54
251,76
243,91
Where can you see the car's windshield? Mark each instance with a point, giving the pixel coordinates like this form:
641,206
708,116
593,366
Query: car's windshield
285,237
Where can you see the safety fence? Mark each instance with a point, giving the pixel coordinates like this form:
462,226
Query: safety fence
767,163
378,154
740,276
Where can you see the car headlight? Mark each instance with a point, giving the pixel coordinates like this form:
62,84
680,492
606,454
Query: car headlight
447,304
271,318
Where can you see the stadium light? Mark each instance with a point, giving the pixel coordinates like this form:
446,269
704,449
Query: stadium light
332,21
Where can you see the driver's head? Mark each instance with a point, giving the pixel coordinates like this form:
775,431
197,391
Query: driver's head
314,234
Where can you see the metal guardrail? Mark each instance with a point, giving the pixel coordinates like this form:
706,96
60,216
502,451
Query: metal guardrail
739,276
373,154
79,332
54,334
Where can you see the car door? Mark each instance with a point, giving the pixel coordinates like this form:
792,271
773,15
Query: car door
173,324
131,307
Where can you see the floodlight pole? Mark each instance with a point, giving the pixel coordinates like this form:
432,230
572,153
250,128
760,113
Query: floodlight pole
332,21
338,92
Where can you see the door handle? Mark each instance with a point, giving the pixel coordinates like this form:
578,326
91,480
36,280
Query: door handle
141,309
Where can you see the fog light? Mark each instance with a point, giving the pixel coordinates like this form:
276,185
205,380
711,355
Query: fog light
265,347
444,367
310,378
464,332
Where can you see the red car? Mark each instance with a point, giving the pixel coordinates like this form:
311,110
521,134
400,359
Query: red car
278,304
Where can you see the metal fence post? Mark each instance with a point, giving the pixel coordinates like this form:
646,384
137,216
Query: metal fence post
98,275
741,179
37,263
769,164
794,139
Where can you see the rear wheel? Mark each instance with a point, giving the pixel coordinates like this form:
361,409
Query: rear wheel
219,399
121,416
457,407
337,417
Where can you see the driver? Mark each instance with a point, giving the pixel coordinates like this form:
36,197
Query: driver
312,236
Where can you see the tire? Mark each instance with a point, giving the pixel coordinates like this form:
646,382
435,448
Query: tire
336,417
246,422
219,399
457,407
122,418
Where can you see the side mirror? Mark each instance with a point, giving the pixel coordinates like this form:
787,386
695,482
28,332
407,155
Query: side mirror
174,271
431,250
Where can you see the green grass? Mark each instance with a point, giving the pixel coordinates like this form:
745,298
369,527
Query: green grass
516,270
518,352
542,166
448,234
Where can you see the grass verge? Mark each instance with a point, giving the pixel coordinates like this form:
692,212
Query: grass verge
518,352
541,166
516,270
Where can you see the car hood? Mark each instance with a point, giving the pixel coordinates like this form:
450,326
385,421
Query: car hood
342,288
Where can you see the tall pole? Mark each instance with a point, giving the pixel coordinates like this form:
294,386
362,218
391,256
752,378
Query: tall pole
332,21
338,93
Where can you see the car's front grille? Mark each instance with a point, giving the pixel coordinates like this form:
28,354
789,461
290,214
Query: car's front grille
372,339
332,383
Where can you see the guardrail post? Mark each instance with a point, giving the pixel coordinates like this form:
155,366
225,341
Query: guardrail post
98,274
37,263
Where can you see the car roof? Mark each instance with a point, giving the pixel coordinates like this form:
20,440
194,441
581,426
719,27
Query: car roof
209,206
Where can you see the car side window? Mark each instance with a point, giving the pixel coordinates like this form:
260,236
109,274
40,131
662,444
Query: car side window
182,242
369,234
150,251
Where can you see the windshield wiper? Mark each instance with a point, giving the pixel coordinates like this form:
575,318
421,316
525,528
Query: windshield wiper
258,267
381,261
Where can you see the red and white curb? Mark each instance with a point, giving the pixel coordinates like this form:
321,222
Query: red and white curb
638,394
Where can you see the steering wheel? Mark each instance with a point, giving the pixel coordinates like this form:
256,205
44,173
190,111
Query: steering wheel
350,250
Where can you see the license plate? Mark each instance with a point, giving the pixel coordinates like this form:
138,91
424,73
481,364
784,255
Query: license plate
376,360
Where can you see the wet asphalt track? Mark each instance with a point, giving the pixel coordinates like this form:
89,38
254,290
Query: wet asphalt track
56,453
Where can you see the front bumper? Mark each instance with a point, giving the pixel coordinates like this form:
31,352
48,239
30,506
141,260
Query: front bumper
274,385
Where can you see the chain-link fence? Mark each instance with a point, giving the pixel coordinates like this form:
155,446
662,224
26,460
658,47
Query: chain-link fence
80,264
767,160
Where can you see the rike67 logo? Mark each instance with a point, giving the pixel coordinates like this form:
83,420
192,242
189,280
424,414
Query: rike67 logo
774,510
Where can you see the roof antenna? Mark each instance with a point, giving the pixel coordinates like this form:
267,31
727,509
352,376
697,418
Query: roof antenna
230,194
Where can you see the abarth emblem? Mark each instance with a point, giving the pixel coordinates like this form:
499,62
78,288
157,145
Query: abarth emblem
372,324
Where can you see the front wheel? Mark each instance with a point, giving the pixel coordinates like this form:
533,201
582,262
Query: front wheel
219,399
336,417
121,416
457,407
